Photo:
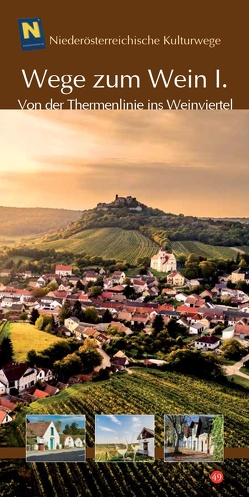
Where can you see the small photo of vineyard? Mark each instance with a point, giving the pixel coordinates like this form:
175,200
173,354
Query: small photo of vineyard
193,438
124,438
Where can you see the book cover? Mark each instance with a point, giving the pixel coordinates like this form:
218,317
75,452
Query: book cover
124,249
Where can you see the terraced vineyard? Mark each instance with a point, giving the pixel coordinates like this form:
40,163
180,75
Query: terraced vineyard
145,391
209,251
109,243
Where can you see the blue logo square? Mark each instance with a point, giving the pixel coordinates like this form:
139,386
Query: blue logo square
31,33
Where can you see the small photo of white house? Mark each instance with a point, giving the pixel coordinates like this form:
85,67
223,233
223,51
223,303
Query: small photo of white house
124,438
55,438
193,438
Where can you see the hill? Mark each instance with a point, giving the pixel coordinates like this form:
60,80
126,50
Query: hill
108,243
20,222
126,229
158,225
143,391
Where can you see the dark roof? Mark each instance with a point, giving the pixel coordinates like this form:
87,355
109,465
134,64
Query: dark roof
15,371
204,425
211,339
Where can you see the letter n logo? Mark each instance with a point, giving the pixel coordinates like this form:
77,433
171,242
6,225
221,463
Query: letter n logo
31,33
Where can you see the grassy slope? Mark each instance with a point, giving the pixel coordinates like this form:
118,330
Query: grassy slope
127,245
109,243
210,251
24,337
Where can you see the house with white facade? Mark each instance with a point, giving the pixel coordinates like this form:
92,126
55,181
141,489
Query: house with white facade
42,435
207,343
63,270
4,416
17,375
163,262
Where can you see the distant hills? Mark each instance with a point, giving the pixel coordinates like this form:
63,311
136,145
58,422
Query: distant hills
20,221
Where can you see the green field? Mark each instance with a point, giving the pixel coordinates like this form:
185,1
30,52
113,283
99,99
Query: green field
108,243
142,392
24,337
209,251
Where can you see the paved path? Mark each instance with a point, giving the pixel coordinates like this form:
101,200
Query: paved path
58,456
106,360
235,368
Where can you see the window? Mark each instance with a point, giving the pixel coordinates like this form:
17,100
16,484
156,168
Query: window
52,431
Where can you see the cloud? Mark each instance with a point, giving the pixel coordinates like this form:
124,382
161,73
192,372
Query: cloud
105,428
114,419
135,419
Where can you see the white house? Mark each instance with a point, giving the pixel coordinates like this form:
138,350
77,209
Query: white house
207,343
64,270
72,441
2,388
163,262
44,374
146,436
18,375
43,434
4,416
196,328
228,333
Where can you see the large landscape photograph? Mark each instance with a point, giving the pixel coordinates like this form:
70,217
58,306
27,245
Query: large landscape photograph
124,290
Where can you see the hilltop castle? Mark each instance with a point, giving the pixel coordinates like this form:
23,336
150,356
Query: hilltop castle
130,202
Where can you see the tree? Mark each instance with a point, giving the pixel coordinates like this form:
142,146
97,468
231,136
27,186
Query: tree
80,285
89,359
243,264
217,437
31,357
232,349
127,281
6,351
65,312
34,316
24,316
58,426
96,291
178,423
158,324
128,291
68,366
91,315
107,316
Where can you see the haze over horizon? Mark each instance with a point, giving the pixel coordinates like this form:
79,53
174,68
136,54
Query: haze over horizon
195,163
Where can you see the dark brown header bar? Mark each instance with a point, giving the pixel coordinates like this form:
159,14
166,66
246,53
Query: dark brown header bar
184,56
20,453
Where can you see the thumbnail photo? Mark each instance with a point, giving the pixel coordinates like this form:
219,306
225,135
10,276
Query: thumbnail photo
55,438
193,438
124,438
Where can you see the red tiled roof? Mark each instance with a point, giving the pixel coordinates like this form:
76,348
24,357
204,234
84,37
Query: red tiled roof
50,390
63,268
2,415
7,404
117,288
39,394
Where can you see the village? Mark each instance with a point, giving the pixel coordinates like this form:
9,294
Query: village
110,311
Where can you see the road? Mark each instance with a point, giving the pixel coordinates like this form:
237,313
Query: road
106,360
75,455
235,368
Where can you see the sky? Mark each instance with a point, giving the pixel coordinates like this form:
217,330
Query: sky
65,419
193,162
192,417
109,428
